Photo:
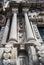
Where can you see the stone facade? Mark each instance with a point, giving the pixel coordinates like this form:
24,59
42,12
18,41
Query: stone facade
20,40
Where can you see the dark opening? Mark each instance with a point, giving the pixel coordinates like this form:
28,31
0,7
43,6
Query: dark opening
41,30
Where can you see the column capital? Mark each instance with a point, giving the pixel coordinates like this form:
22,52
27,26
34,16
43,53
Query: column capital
15,10
25,10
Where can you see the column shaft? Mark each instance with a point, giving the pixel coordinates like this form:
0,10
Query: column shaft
13,32
28,28
34,56
6,32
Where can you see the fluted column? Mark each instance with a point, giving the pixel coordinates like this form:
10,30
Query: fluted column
28,28
13,32
5,35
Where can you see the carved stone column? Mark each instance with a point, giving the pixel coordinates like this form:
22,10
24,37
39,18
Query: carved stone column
13,32
28,28
5,35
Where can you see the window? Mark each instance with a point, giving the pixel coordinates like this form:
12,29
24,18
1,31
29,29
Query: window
41,30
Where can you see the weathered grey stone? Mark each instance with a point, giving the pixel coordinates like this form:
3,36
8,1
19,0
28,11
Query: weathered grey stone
7,50
5,34
13,32
6,55
6,62
34,56
28,28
